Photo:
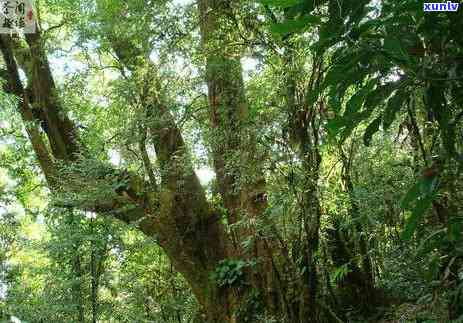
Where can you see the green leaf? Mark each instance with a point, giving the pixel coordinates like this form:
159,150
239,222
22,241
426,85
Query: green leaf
343,72
356,101
372,128
281,3
351,123
423,188
300,8
412,222
329,35
455,230
436,102
335,126
293,26
393,47
312,97
378,95
334,100
431,242
393,106
364,28
423,193
413,194
334,76
347,132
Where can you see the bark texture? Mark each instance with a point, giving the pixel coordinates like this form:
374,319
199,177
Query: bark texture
175,209
177,213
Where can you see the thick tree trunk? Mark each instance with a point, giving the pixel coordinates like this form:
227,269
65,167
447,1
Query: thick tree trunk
15,87
241,182
178,213
175,210
239,175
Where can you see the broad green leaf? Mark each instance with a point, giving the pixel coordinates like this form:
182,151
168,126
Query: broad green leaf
296,25
364,28
424,187
394,48
393,106
300,8
335,126
343,71
312,97
423,194
351,123
377,96
455,229
431,242
356,101
333,76
347,132
413,193
417,213
392,45
334,100
372,128
281,3
437,106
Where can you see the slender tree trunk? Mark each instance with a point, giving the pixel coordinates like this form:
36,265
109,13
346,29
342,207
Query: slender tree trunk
304,123
94,274
362,278
77,273
77,286
78,289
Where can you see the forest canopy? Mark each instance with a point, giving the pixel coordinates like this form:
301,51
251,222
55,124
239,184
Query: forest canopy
236,161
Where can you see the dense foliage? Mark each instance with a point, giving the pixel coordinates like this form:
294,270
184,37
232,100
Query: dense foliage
232,161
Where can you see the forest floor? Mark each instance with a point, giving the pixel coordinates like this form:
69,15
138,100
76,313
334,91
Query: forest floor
414,313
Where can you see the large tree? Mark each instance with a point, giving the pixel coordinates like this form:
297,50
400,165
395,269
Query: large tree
297,224
174,207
